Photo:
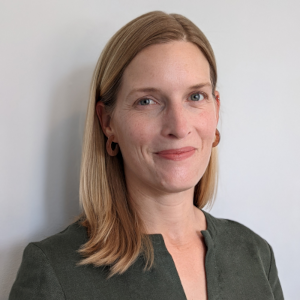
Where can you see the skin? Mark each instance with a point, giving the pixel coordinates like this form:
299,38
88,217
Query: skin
165,102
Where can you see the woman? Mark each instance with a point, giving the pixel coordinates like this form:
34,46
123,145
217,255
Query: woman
149,165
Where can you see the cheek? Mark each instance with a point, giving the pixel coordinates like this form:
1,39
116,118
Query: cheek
206,124
134,134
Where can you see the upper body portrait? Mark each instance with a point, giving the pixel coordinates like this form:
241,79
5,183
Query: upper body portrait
149,167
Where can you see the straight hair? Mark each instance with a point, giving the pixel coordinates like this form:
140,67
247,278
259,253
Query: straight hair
116,232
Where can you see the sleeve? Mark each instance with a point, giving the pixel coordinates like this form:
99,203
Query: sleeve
36,279
273,278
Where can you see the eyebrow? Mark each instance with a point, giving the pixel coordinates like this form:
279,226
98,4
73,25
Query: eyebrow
151,89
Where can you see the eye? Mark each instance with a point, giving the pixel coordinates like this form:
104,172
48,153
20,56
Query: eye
146,101
197,97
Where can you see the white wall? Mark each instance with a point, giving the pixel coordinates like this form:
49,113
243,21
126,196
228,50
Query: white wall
48,52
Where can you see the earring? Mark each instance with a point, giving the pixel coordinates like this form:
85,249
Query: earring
217,139
109,149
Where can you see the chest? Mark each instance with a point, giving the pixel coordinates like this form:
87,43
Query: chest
231,273
190,266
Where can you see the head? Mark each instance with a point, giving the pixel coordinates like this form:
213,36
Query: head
150,42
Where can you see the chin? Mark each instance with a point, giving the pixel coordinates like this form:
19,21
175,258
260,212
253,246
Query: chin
177,185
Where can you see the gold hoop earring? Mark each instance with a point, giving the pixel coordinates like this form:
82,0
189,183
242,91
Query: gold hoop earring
217,139
109,149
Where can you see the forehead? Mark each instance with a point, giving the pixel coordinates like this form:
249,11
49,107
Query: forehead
177,62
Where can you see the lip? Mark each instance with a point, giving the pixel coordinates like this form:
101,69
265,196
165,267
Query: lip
177,154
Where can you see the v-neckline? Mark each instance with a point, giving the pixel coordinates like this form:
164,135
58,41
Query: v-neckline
211,271
158,239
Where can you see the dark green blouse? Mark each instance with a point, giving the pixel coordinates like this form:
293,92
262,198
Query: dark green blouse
239,265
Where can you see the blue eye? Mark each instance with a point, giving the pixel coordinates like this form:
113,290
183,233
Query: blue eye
197,97
146,101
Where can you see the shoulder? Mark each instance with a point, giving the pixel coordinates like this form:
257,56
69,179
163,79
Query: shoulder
61,247
47,263
242,257
64,242
238,241
232,230
60,251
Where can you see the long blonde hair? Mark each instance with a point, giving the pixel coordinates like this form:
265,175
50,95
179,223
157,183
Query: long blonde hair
115,230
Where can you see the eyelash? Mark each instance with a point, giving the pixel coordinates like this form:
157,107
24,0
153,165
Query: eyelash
148,98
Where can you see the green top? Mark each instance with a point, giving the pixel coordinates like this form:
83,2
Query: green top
239,265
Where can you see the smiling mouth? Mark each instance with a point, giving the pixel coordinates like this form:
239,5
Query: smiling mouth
177,154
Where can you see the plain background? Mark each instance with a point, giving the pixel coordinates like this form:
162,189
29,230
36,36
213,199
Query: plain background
48,53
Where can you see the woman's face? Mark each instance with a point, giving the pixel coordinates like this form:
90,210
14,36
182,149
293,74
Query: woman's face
165,118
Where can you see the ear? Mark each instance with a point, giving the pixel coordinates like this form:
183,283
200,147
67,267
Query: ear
104,119
217,99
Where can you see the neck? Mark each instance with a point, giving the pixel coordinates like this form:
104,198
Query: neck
172,215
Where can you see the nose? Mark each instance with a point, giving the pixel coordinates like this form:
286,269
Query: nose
176,121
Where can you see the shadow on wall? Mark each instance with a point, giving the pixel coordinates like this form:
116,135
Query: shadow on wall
60,205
